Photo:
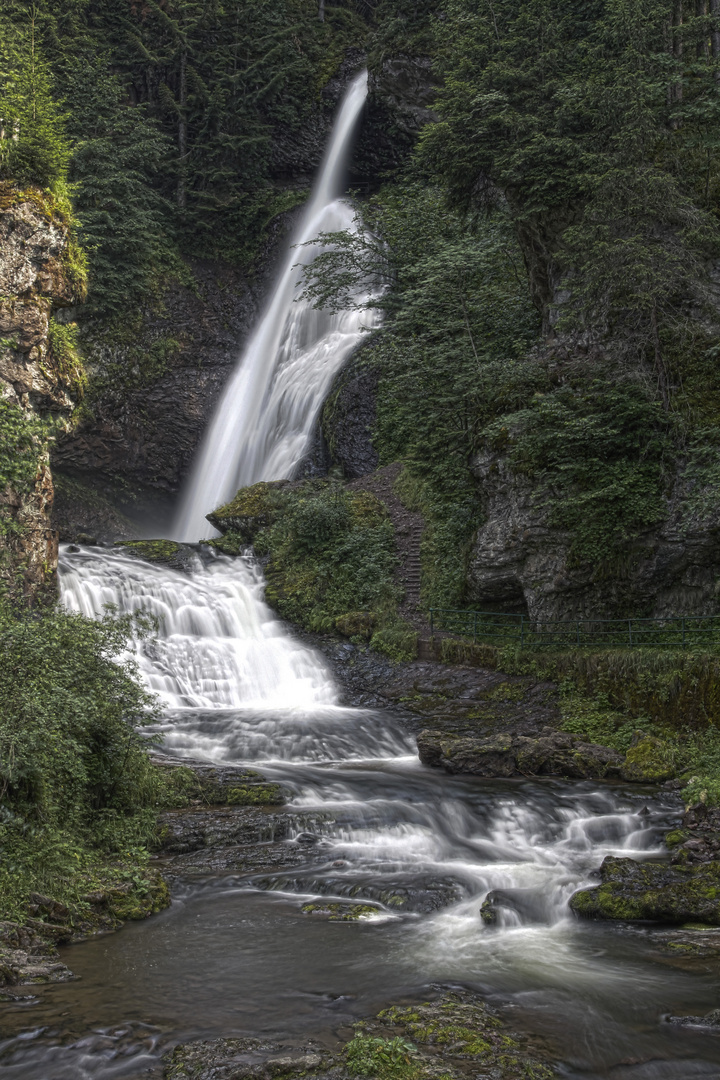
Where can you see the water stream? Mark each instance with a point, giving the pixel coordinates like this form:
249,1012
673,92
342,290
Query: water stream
234,954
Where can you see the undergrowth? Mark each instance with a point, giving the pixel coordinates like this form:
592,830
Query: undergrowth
331,559
78,792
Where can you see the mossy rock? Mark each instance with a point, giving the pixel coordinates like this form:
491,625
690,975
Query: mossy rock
356,624
648,762
252,509
652,891
339,912
167,552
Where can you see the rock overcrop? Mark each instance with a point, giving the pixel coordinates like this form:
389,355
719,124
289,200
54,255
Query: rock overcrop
653,891
553,753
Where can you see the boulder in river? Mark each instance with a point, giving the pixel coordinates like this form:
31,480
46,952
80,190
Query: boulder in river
652,891
552,753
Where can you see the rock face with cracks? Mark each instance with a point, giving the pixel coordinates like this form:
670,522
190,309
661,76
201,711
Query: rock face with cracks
35,384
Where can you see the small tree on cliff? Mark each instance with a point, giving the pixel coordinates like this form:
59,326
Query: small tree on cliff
33,144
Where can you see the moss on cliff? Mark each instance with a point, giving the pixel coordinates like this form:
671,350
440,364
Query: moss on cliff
331,558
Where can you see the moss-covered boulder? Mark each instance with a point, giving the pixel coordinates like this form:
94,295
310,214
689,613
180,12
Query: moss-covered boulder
652,891
554,753
252,509
165,552
340,912
648,761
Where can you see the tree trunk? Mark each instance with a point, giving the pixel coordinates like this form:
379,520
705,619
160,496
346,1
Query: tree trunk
715,35
321,11
182,132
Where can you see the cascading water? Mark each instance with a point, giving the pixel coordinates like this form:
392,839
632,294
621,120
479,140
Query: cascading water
234,955
264,422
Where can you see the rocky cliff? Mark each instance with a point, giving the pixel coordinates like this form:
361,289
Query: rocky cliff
39,378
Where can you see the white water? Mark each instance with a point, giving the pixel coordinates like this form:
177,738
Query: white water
264,422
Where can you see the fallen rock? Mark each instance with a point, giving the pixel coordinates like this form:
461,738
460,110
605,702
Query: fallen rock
709,1020
29,954
244,1059
697,839
652,891
647,761
553,753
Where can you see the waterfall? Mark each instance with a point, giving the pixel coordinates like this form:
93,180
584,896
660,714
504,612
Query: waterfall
264,421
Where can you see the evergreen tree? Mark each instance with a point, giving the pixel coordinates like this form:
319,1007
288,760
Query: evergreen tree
33,144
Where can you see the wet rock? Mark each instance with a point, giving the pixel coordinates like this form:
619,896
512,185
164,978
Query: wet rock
338,912
181,831
527,905
697,840
222,785
398,894
165,552
647,761
554,753
231,859
245,1059
456,1035
252,509
709,1020
28,954
652,891
459,1034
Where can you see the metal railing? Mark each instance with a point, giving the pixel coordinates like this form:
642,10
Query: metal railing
493,627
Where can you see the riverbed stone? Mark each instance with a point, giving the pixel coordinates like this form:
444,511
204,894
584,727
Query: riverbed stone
340,912
652,891
28,954
455,1035
553,753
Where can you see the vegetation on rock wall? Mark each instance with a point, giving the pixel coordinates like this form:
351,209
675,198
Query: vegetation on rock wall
331,558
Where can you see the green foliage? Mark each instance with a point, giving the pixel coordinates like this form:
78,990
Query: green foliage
332,553
33,145
387,1059
65,354
76,784
599,451
398,642
458,321
578,119
23,444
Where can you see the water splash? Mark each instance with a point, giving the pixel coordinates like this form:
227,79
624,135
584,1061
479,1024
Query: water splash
264,422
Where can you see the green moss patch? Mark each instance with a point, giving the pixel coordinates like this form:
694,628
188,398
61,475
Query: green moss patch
340,912
653,891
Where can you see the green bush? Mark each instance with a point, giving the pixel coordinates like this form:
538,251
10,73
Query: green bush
77,787
332,554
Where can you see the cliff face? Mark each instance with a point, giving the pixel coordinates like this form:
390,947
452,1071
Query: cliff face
519,562
36,387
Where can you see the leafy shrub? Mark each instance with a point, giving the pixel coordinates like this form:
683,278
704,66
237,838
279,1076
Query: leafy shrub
384,1058
332,555
76,784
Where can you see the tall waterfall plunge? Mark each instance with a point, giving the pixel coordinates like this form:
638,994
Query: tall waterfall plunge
218,645
263,424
